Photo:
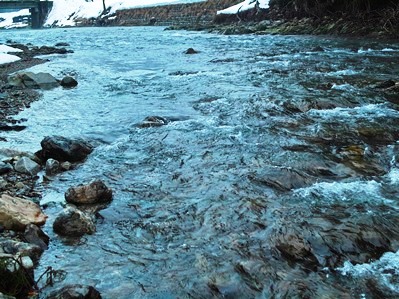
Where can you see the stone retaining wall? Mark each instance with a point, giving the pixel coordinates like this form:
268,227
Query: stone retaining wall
178,14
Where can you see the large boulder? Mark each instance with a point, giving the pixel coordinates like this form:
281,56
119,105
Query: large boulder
95,192
27,166
33,80
75,292
73,223
16,213
64,149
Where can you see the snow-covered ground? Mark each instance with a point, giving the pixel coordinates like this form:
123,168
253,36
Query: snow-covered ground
7,17
7,58
67,12
245,5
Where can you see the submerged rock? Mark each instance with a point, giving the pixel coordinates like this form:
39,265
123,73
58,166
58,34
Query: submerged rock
73,223
153,121
75,291
16,213
95,192
64,149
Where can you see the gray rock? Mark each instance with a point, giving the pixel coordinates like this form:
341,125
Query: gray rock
5,168
64,149
75,292
65,166
33,80
34,235
68,82
17,248
95,192
73,223
52,167
27,166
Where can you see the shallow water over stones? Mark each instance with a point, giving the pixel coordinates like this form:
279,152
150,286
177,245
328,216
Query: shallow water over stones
275,175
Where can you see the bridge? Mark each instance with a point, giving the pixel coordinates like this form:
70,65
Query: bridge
38,9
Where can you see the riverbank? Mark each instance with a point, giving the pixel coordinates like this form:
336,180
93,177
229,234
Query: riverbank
21,239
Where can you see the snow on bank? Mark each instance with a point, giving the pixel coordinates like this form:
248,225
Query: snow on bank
8,58
6,19
245,5
67,12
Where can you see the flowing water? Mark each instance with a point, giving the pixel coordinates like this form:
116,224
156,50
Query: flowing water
277,176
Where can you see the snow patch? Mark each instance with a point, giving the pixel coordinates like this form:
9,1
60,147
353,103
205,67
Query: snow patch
6,19
67,12
245,5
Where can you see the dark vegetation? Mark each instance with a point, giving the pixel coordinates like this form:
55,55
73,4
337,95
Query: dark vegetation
376,18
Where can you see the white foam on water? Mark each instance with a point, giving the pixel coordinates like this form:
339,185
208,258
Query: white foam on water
357,191
386,270
369,111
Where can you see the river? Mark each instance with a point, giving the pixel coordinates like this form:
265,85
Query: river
277,176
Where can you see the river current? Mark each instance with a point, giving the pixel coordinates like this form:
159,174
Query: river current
276,177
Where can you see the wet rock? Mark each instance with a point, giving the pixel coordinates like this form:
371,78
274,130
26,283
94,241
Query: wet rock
317,49
95,192
282,179
75,292
7,127
34,235
52,167
33,80
64,149
27,166
191,51
65,166
46,50
62,44
68,82
153,121
73,223
385,84
16,213
5,168
17,248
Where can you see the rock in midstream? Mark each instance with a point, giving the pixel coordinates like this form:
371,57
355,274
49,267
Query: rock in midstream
95,192
73,223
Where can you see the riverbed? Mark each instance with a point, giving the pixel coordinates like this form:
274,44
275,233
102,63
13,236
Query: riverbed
276,175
